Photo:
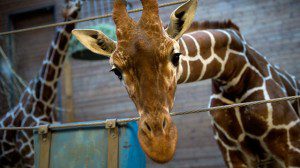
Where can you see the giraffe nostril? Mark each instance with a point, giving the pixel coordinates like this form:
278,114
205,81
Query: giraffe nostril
164,123
148,127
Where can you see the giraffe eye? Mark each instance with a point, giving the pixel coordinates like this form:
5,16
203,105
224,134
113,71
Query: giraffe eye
117,72
175,59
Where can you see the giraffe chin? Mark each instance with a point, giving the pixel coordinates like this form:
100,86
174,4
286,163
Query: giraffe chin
159,147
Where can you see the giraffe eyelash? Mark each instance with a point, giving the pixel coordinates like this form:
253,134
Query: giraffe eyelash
117,72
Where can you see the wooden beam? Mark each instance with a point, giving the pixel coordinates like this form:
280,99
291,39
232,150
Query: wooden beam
69,115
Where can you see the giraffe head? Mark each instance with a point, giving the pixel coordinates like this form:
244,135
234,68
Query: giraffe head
145,58
71,8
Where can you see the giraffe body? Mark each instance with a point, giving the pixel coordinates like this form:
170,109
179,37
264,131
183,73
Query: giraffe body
36,105
247,136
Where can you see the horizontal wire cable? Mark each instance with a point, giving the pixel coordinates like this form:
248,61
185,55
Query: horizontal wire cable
237,105
126,120
85,19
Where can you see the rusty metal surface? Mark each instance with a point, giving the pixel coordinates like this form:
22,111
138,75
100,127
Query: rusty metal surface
88,147
45,136
113,143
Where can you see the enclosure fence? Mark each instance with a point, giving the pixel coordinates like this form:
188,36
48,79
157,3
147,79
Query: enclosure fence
109,122
126,120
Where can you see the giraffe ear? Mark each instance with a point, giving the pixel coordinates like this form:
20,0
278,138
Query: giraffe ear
96,41
181,19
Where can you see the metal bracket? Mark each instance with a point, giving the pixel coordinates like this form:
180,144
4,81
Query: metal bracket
43,131
110,123
113,143
45,144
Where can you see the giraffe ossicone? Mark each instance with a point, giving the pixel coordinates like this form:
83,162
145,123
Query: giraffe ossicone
146,58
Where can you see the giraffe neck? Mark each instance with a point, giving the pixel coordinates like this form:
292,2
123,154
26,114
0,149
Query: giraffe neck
38,98
46,83
236,69
214,54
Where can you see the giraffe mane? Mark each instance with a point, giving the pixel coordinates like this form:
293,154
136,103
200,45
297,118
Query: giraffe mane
204,25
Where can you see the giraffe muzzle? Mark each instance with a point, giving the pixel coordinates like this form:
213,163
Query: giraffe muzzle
158,137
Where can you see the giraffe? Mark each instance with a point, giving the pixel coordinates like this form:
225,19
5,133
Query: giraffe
36,105
151,60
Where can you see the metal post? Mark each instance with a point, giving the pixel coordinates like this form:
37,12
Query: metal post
113,143
45,144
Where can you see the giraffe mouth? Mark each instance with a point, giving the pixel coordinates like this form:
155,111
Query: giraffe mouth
159,144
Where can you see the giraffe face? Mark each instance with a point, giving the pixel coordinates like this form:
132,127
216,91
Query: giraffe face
148,73
145,58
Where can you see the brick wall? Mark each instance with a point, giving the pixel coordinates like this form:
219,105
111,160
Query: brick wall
271,26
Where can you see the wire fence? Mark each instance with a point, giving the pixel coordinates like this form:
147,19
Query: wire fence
85,19
126,120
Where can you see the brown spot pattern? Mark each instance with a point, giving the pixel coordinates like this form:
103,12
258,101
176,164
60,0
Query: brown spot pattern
221,43
215,68
237,158
62,42
48,111
205,44
253,148
56,58
258,62
226,119
50,73
223,137
38,86
236,43
7,121
39,110
29,121
192,49
7,146
254,117
47,93
25,150
276,141
195,69
283,112
295,135
232,68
